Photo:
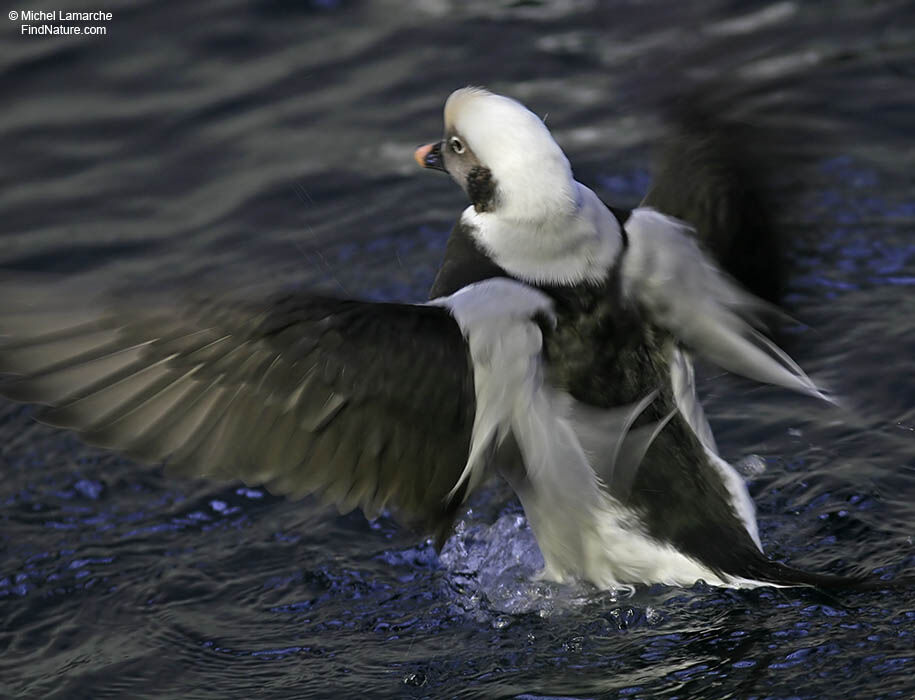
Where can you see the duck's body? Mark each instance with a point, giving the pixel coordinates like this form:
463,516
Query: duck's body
685,510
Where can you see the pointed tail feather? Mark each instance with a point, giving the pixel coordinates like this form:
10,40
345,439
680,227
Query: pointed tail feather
778,574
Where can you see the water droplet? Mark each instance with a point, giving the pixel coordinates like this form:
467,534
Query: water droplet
417,679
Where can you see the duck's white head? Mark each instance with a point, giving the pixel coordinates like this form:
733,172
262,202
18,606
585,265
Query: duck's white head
503,157
528,212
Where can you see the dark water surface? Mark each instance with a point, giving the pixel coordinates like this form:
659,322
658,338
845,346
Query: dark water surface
274,139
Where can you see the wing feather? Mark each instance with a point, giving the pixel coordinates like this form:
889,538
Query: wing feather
665,272
368,405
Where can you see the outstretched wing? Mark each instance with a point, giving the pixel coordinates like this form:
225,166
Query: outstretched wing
366,404
665,272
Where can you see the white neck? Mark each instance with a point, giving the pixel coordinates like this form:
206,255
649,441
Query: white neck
572,244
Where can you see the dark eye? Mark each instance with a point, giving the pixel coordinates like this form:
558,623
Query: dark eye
456,145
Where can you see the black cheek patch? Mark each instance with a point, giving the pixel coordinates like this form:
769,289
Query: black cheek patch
481,188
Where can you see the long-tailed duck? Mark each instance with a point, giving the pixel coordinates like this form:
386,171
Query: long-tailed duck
557,344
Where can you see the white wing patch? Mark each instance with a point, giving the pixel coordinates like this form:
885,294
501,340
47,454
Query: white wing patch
496,318
665,272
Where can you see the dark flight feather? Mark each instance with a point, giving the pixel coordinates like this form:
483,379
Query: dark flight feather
303,393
